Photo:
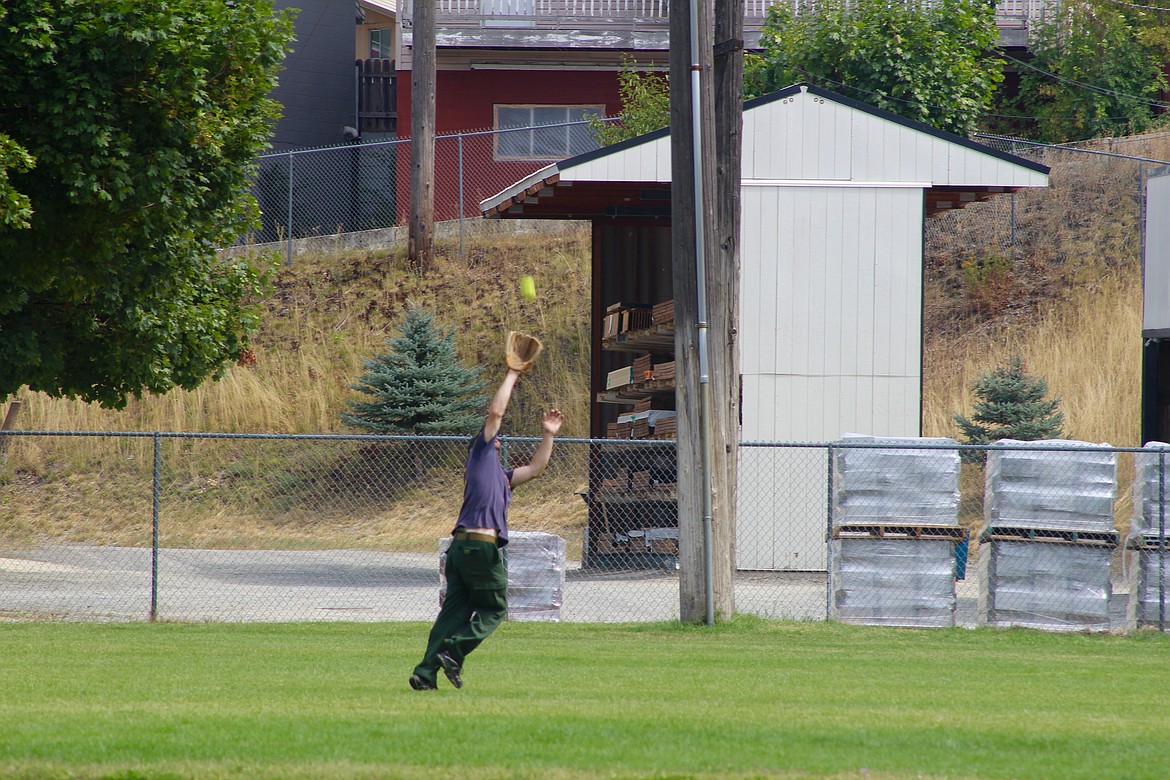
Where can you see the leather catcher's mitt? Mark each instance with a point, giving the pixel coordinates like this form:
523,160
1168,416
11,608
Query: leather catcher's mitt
521,349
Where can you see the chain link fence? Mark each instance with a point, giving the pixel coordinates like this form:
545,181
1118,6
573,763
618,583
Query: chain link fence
364,189
904,532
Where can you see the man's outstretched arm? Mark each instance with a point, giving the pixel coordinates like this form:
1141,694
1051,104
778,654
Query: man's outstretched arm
551,424
499,404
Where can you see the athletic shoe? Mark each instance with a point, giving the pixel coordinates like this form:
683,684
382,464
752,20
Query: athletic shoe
419,684
450,668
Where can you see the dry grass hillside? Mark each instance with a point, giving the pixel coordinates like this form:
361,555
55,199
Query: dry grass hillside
1062,289
328,314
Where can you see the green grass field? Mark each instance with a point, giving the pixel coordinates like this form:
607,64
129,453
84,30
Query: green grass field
744,699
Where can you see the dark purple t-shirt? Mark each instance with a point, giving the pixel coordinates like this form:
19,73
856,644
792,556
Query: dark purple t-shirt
486,489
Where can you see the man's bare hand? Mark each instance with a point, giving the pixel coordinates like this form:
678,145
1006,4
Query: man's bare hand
552,421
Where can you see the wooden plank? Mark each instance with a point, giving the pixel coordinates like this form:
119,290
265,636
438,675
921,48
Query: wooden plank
952,533
1148,542
1091,538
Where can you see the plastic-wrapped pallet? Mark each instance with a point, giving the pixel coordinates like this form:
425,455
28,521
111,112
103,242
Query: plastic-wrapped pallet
893,582
536,575
1149,591
1151,490
1062,486
1051,586
904,484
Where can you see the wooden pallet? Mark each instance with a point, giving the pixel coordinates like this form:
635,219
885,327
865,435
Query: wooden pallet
1091,538
1148,542
896,531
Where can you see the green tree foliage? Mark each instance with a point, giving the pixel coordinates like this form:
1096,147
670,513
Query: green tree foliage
15,207
1011,404
128,132
645,106
928,62
1109,79
419,386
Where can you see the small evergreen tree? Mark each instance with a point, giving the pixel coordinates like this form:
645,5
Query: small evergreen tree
1011,405
419,386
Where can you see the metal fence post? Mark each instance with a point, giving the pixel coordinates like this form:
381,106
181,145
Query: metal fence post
462,250
289,227
1012,239
829,539
154,529
1162,540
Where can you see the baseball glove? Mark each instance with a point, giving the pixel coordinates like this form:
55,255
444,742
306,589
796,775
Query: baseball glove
521,349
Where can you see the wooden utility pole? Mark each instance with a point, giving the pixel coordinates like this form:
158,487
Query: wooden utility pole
718,449
421,241
724,265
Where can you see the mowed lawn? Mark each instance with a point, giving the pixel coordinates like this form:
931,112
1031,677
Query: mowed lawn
748,698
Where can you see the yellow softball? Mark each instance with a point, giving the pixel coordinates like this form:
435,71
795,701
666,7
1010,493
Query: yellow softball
527,288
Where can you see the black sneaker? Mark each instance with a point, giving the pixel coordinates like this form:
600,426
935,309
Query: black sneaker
419,684
450,668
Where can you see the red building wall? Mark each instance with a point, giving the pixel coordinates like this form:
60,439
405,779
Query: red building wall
464,102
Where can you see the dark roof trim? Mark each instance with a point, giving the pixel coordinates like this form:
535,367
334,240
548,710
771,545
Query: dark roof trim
824,93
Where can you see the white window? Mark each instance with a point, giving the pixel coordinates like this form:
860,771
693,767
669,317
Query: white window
380,41
549,134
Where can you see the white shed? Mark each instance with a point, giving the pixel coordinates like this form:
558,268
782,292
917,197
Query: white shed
834,197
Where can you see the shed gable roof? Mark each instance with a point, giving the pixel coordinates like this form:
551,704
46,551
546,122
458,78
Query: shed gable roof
799,135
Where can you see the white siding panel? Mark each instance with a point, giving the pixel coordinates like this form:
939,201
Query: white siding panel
834,293
969,166
831,281
865,274
760,259
823,408
781,509
799,137
759,410
878,146
830,133
644,162
897,284
1156,302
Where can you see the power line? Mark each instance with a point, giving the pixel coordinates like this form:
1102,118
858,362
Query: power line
1091,87
1140,7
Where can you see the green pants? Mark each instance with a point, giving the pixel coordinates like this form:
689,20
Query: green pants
476,602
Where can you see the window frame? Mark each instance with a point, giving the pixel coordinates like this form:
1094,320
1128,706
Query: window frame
533,133
379,33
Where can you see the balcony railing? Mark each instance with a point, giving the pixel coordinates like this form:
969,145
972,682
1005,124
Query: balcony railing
559,22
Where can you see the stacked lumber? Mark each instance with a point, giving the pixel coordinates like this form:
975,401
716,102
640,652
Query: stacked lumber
665,428
663,313
642,367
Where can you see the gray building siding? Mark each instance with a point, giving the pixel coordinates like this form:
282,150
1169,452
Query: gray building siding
317,84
